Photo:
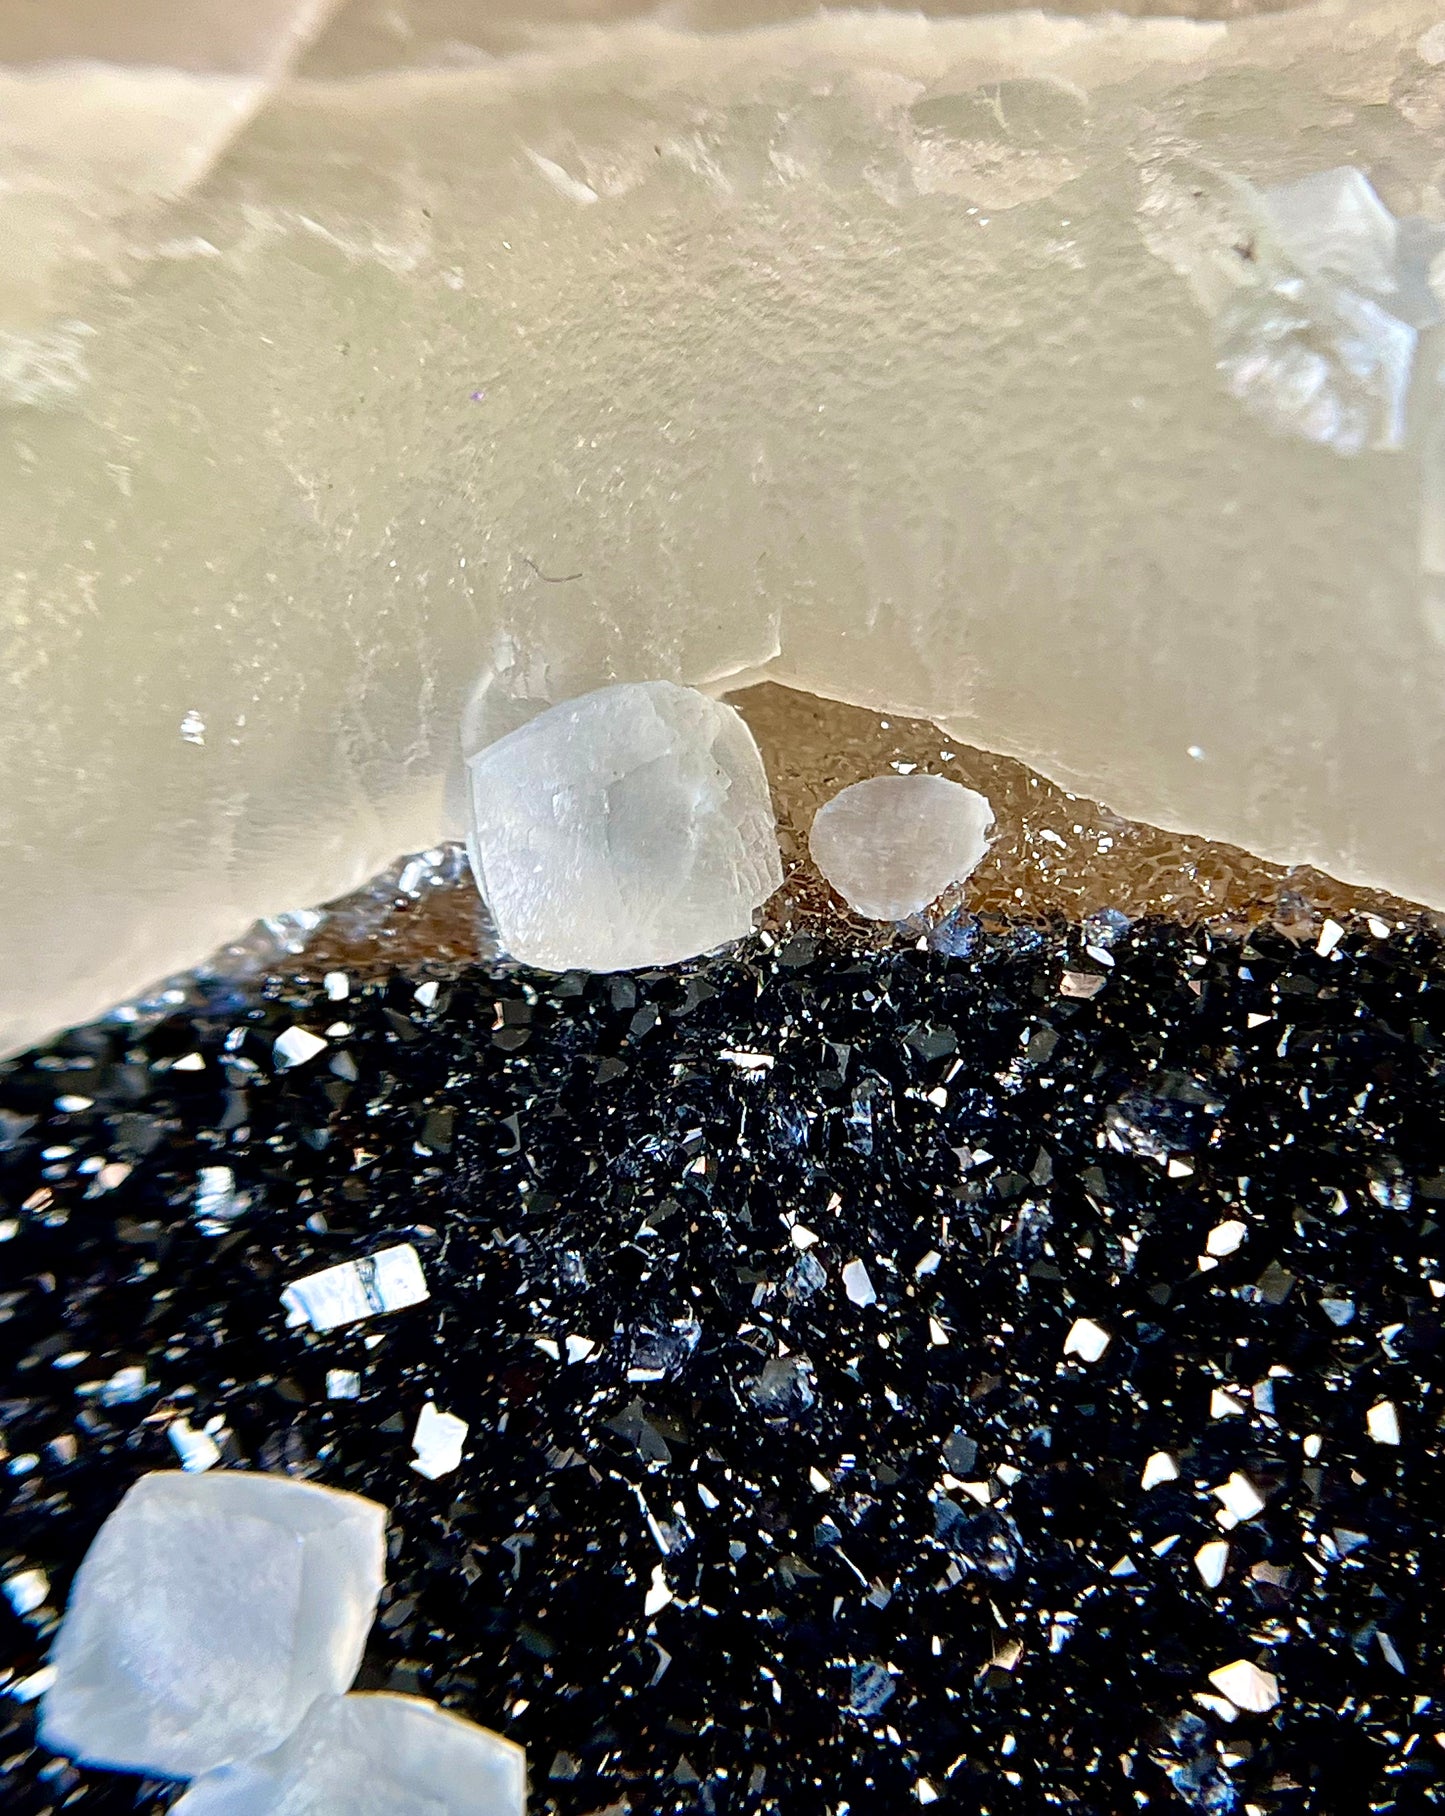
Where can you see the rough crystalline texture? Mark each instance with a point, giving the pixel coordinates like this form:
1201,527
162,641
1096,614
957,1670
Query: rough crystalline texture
1319,340
893,844
964,366
373,1755
209,1614
629,827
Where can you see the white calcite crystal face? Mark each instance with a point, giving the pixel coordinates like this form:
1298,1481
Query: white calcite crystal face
209,1614
893,844
372,1755
388,1281
632,826
1040,376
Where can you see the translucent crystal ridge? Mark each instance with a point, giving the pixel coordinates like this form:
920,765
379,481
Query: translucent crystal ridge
209,1614
446,361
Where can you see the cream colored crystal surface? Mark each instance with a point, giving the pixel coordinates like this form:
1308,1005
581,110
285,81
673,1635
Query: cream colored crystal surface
108,110
493,354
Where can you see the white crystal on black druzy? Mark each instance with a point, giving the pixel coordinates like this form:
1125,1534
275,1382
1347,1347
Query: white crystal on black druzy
628,827
372,1755
208,1615
617,1172
387,1281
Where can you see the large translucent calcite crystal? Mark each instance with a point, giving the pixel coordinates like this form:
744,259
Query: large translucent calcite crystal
375,370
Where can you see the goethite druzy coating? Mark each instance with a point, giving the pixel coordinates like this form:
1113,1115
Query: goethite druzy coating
893,844
207,1616
629,827
374,1755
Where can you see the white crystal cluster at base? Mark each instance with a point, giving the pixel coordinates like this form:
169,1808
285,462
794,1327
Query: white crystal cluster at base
212,1631
372,1755
208,1615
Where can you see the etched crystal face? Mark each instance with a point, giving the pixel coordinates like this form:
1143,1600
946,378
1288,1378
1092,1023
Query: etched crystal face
370,367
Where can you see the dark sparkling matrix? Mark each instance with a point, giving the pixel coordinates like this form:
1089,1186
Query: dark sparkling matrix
908,1549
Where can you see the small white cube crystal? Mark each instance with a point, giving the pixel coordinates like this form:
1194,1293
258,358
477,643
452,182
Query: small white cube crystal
385,1282
1225,1238
1211,1561
124,1387
1247,1687
216,1194
437,1442
197,1450
372,1755
296,1046
1086,1340
208,1615
26,1590
857,1285
1239,1497
1383,1422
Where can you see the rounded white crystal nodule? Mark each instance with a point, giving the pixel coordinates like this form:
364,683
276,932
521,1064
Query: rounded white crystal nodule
208,1615
893,844
372,1755
631,826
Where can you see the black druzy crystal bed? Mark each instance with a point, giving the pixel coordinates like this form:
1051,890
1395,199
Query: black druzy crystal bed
892,1379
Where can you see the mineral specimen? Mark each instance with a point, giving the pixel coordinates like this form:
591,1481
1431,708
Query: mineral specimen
352,1290
891,845
372,1755
208,1615
503,358
629,827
